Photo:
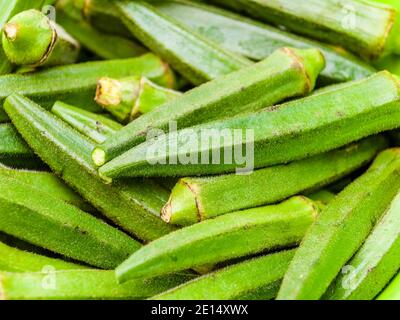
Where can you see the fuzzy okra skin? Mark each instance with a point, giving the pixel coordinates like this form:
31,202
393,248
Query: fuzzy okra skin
16,260
257,41
196,199
33,216
369,29
196,58
12,145
230,236
60,83
341,229
92,125
259,277
375,263
133,205
392,291
330,118
286,73
82,285
128,98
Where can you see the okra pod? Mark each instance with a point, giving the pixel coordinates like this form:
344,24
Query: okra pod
81,285
257,41
375,263
16,260
60,83
321,197
286,73
196,58
258,277
92,125
341,228
196,199
230,236
128,98
133,205
12,145
31,38
392,291
333,117
33,216
368,29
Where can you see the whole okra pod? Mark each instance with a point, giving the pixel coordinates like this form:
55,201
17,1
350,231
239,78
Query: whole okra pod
196,199
257,41
83,285
341,228
369,29
230,236
286,73
31,38
128,98
258,278
133,205
33,216
94,126
326,120
196,58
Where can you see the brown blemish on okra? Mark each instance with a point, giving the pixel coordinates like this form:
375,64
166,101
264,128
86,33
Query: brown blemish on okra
11,31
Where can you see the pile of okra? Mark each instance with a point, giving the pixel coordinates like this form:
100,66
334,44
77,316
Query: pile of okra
217,149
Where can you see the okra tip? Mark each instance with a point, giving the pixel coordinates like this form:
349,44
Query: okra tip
107,92
99,157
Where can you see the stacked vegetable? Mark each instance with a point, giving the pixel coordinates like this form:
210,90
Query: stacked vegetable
91,196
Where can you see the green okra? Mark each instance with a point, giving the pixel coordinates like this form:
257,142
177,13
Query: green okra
16,260
321,197
92,125
35,217
47,183
31,38
81,285
96,41
12,145
196,58
196,199
390,63
333,117
257,41
60,83
258,277
286,73
368,29
230,236
133,205
375,263
392,291
341,228
128,98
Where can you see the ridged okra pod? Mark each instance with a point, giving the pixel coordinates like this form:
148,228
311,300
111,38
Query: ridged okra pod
341,229
16,260
369,29
196,58
392,291
82,285
257,278
33,39
33,216
133,205
375,263
196,199
95,126
257,41
59,83
333,117
12,145
128,98
286,73
230,236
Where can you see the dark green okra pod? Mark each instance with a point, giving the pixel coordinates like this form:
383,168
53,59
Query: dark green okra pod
256,278
230,236
286,73
94,126
257,41
133,205
341,228
333,117
196,199
12,145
